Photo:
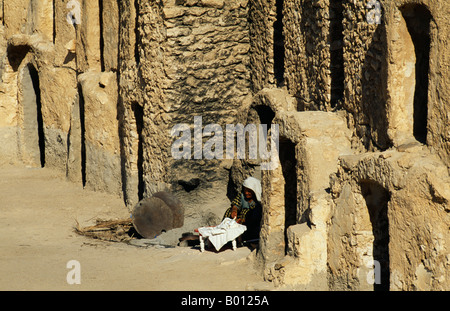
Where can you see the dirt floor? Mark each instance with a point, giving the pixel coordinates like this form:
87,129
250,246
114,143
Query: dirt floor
38,212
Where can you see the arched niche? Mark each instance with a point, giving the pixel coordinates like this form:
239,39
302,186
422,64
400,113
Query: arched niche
33,136
409,43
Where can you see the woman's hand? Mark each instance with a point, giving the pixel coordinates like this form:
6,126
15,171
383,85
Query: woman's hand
234,212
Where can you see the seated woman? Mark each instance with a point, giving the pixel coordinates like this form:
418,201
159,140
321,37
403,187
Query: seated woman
246,208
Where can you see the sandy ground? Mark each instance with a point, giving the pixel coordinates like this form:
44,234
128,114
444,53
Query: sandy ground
38,210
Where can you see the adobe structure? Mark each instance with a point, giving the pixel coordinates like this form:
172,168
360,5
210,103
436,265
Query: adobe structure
360,90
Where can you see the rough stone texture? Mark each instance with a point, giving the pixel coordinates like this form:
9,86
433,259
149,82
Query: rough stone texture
374,93
128,95
190,59
110,35
60,52
294,228
416,219
101,137
308,74
207,47
262,14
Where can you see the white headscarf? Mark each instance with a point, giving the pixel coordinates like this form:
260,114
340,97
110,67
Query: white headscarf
255,185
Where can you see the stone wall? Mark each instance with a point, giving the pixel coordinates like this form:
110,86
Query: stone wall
377,96
60,45
55,92
391,207
301,39
207,58
297,203
128,96
308,45
363,56
191,60
101,132
150,83
379,103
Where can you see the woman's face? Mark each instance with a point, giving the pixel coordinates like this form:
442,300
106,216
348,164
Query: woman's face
248,194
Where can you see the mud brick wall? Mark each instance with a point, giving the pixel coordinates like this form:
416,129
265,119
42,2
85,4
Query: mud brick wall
206,60
262,15
295,36
151,81
372,54
307,62
178,60
364,46
128,95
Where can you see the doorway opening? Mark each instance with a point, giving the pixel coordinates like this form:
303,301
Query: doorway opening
377,199
138,113
33,124
265,114
289,170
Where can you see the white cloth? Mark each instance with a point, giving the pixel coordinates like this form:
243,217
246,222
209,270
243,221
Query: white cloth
255,185
220,235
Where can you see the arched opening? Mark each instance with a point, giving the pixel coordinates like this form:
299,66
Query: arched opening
279,203
409,43
16,54
138,112
33,125
265,114
377,199
418,20
288,168
257,115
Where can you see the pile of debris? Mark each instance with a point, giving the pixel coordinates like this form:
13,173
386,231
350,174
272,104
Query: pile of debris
151,217
109,230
